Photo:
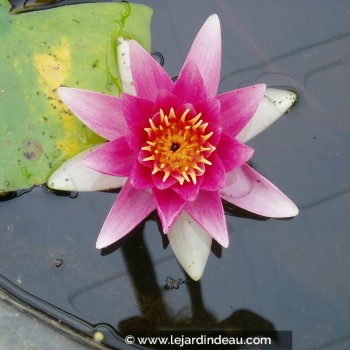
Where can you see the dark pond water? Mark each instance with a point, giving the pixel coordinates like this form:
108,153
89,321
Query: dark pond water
276,274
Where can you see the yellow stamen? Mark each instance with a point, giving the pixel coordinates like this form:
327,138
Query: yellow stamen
194,127
172,114
181,180
155,169
212,149
184,114
147,148
207,136
205,161
195,119
203,127
161,113
178,147
166,175
184,174
154,128
148,158
198,168
148,130
193,176
186,135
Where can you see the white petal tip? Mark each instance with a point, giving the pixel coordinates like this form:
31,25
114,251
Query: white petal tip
72,175
196,276
286,209
275,103
64,91
283,100
123,54
191,245
225,244
104,239
101,245
294,211
213,21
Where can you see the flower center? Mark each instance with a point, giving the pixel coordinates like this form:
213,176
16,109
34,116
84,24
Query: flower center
178,146
175,146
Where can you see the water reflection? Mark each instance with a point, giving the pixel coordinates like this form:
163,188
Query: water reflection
69,194
155,313
13,194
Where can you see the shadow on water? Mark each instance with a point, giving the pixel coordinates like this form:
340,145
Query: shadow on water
154,311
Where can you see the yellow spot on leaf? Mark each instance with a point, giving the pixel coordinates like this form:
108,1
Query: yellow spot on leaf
53,69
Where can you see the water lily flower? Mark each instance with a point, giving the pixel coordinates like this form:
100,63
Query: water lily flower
175,147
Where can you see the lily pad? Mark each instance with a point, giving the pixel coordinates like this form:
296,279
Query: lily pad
73,46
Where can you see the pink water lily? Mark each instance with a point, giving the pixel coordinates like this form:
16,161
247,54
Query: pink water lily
174,148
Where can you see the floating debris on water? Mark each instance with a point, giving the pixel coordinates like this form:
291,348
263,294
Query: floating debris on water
172,283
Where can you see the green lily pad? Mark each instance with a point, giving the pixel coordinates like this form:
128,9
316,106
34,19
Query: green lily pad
72,46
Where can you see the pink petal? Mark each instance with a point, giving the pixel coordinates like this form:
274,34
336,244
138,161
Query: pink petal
237,184
232,152
149,77
141,177
169,207
210,109
130,208
113,158
136,136
166,100
207,210
239,106
160,184
188,191
190,86
206,54
191,113
142,154
101,113
262,198
136,110
215,174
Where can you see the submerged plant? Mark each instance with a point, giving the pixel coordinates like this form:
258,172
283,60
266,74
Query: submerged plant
174,147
